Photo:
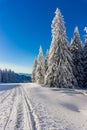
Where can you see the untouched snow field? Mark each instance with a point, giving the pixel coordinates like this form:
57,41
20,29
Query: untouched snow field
32,107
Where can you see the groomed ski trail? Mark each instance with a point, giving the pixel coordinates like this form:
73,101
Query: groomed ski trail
19,115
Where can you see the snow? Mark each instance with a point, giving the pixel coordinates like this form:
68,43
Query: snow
33,107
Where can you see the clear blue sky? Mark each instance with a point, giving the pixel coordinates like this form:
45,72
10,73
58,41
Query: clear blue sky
26,24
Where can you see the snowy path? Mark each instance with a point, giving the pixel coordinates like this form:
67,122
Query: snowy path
15,113
31,107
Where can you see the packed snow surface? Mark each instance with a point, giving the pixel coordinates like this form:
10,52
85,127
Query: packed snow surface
32,107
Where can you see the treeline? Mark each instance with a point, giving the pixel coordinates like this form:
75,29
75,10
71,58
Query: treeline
9,76
65,64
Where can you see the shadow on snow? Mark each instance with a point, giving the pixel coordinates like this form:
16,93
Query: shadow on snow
8,86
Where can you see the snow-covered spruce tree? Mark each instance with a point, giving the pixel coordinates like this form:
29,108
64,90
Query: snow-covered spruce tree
34,71
45,66
85,61
39,68
77,53
60,73
46,62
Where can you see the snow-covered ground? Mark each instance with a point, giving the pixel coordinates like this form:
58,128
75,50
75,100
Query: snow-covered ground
32,107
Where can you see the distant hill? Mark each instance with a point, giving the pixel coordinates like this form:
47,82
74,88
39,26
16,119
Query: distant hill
23,77
26,74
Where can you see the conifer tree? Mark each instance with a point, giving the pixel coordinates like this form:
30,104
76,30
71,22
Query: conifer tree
60,73
45,67
39,68
85,61
46,62
77,53
34,71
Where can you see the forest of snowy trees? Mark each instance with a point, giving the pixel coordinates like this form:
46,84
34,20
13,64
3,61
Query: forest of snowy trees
65,64
9,76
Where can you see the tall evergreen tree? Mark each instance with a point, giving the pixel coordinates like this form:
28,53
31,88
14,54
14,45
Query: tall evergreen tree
76,50
60,73
85,61
46,62
39,68
45,67
34,71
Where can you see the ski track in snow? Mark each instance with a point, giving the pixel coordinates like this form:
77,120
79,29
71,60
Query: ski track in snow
32,107
18,113
4,96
